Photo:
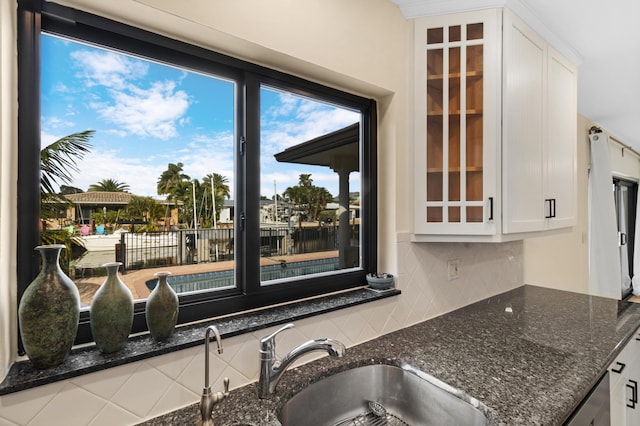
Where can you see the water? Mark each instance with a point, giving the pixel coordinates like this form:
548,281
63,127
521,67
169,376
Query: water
225,279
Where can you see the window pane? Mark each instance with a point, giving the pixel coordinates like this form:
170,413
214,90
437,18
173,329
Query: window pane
159,154
309,186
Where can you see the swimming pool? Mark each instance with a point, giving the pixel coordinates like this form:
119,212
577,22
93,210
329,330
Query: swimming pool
225,279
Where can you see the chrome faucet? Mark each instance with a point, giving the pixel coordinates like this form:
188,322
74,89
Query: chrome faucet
271,369
210,399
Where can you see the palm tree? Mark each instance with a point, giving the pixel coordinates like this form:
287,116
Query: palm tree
58,160
299,195
182,194
58,163
308,197
305,180
171,181
170,177
319,197
144,208
109,185
221,189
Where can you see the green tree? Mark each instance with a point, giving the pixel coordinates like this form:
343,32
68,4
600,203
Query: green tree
172,183
299,195
171,177
318,199
221,190
109,185
58,164
182,195
307,197
145,209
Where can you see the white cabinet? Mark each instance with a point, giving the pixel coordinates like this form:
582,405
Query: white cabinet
524,66
495,151
624,376
561,142
457,106
539,133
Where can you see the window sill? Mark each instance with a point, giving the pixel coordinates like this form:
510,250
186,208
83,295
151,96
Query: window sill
80,361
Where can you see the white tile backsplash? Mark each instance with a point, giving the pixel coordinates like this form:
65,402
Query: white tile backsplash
131,393
75,405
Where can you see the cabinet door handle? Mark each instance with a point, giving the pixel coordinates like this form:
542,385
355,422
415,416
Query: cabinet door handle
634,394
618,370
552,208
490,208
548,215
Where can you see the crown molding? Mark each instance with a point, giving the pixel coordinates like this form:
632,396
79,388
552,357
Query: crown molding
412,9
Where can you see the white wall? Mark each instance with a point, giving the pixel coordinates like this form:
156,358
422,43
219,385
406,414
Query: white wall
561,261
363,46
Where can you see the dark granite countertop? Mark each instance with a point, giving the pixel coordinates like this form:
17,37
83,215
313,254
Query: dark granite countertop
530,355
23,375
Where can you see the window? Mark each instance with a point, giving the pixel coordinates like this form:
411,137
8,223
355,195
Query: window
199,162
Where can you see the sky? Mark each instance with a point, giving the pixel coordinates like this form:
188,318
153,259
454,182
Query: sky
147,115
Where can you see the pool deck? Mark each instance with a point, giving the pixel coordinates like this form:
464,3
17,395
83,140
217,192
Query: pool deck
136,280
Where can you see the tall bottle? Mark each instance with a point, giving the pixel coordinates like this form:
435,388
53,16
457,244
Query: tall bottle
49,311
111,312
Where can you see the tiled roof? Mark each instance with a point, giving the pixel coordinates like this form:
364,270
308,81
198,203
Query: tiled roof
97,197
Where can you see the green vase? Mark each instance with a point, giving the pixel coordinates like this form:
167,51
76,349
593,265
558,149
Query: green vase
111,312
161,311
49,312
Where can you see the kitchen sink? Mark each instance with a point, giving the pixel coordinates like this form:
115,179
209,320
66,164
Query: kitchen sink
382,395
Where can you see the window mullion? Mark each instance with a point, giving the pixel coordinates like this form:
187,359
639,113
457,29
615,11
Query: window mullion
249,188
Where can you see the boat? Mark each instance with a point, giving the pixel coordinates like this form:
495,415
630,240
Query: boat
107,242
100,242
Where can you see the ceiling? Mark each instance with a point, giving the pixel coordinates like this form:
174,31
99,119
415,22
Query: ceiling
605,38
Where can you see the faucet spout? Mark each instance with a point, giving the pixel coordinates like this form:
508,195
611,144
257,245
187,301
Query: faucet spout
209,399
271,369
207,337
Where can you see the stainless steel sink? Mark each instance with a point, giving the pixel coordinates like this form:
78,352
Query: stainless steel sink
382,395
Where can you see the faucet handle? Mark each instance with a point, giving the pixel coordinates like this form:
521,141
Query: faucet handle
219,396
268,343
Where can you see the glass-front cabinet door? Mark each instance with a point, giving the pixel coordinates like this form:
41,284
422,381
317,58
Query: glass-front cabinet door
457,119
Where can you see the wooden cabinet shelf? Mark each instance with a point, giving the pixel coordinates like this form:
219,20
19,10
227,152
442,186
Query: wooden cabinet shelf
470,169
454,113
468,74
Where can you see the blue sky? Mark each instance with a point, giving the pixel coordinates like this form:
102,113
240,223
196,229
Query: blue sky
147,115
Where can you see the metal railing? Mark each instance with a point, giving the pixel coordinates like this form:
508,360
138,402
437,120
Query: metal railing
189,246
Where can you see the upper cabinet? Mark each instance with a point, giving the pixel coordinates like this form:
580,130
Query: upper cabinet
495,149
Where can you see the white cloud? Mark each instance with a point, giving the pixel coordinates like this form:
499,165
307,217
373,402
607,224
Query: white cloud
209,154
154,111
298,120
47,139
108,69
146,112
53,123
141,176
